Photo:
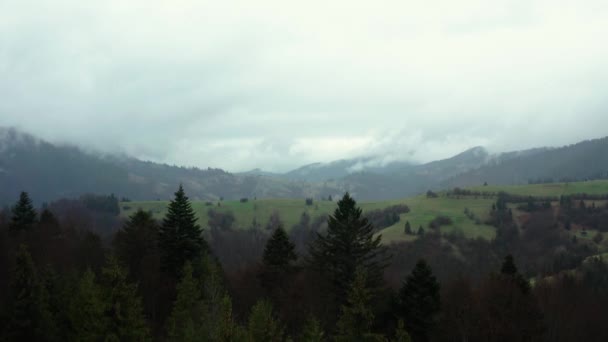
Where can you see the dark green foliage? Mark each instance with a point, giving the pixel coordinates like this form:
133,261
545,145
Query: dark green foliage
356,320
29,318
419,302
136,241
509,271
278,258
184,322
401,334
312,331
420,231
180,236
23,214
262,325
348,244
86,310
408,228
123,312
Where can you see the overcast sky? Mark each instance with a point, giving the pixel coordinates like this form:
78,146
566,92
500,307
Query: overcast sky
278,84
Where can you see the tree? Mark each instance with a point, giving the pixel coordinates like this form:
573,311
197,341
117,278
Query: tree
183,323
123,311
278,258
401,334
29,316
419,302
312,331
420,231
86,310
348,244
408,228
137,240
24,214
180,236
510,273
356,320
262,325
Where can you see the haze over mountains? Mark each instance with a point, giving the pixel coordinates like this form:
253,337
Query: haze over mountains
50,171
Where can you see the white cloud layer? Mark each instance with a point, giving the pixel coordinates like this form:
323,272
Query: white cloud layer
277,84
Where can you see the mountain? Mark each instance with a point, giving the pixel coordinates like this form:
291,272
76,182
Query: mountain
585,160
51,171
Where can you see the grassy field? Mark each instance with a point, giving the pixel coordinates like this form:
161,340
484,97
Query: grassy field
595,187
423,209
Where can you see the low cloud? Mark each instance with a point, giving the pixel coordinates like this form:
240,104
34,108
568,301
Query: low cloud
279,84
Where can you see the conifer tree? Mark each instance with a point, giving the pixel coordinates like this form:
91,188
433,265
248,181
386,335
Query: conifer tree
408,228
510,272
137,240
312,331
180,237
86,310
401,334
30,318
356,320
184,322
123,311
262,325
419,302
279,254
23,214
348,244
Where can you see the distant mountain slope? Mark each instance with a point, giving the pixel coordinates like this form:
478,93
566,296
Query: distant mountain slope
338,169
49,172
585,160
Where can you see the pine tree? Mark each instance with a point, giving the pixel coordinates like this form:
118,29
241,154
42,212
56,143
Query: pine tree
356,320
24,215
262,325
408,229
419,302
348,244
123,312
30,318
509,271
401,334
180,237
137,240
312,331
86,310
420,231
184,322
278,258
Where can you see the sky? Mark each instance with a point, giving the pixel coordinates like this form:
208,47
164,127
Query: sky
279,84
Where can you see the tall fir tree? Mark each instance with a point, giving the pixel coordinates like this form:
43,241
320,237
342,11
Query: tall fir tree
419,302
137,240
348,244
180,237
312,331
30,318
86,310
356,320
277,261
123,311
184,322
23,214
509,272
262,325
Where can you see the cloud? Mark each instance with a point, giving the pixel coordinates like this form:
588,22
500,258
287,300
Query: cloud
275,84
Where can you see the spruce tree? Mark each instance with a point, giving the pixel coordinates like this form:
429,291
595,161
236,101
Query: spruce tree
509,272
180,236
86,310
23,214
312,331
123,311
419,302
356,320
137,240
262,325
408,229
30,318
401,334
278,258
348,244
184,322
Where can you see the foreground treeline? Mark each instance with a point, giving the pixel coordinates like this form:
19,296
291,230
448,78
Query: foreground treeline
330,280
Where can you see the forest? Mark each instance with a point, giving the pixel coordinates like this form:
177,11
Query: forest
75,270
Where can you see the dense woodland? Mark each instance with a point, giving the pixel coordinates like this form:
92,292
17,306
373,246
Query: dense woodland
74,270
